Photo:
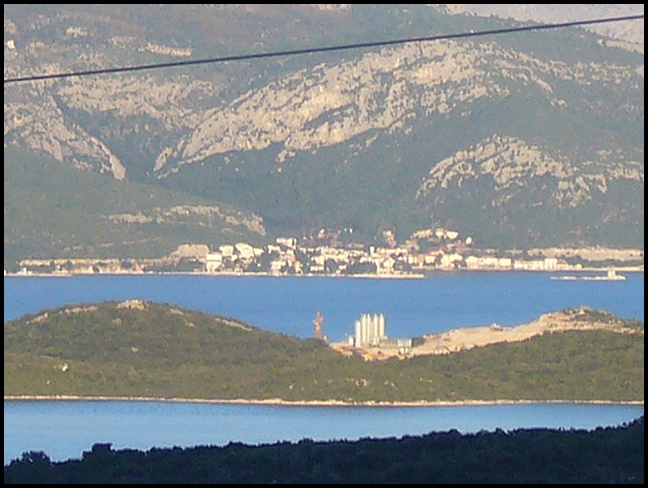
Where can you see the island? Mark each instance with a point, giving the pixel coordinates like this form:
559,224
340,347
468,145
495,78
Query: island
144,350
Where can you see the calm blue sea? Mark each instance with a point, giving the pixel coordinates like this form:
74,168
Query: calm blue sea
412,307
64,429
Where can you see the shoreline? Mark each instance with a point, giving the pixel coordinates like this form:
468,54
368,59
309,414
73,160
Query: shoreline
313,403
415,275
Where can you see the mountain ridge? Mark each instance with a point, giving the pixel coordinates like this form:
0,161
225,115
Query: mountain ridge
319,141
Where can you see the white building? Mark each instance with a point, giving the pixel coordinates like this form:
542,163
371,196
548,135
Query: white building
226,250
290,242
449,260
214,262
244,250
550,263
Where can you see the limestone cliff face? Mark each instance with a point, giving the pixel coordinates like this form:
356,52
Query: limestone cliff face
205,215
40,125
391,91
508,164
631,33
332,104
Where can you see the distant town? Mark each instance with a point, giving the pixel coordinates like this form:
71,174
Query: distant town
325,254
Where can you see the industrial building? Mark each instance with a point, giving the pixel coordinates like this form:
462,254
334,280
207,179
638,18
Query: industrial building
369,330
371,341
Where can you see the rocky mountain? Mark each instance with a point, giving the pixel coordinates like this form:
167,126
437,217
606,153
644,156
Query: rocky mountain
629,32
516,140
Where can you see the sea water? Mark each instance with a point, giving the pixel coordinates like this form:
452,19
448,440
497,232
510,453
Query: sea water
64,429
412,307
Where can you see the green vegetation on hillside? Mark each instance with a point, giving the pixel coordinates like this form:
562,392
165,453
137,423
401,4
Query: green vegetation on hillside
154,350
52,210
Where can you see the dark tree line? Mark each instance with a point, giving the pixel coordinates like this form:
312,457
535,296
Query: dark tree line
603,455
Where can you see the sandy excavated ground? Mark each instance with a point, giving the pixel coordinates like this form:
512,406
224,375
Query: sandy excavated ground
470,337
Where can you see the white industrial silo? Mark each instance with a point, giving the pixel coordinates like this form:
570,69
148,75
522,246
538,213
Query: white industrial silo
367,334
381,325
374,329
369,330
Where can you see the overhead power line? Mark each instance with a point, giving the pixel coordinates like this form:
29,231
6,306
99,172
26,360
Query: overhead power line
311,50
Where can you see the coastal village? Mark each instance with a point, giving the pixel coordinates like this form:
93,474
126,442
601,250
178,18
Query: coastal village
328,254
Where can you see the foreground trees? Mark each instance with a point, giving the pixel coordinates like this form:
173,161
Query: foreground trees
604,455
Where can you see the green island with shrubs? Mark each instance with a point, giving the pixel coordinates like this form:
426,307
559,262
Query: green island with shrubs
145,350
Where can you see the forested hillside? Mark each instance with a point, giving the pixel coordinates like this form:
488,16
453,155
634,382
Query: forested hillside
144,349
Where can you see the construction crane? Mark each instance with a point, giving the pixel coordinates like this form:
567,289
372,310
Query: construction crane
317,321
